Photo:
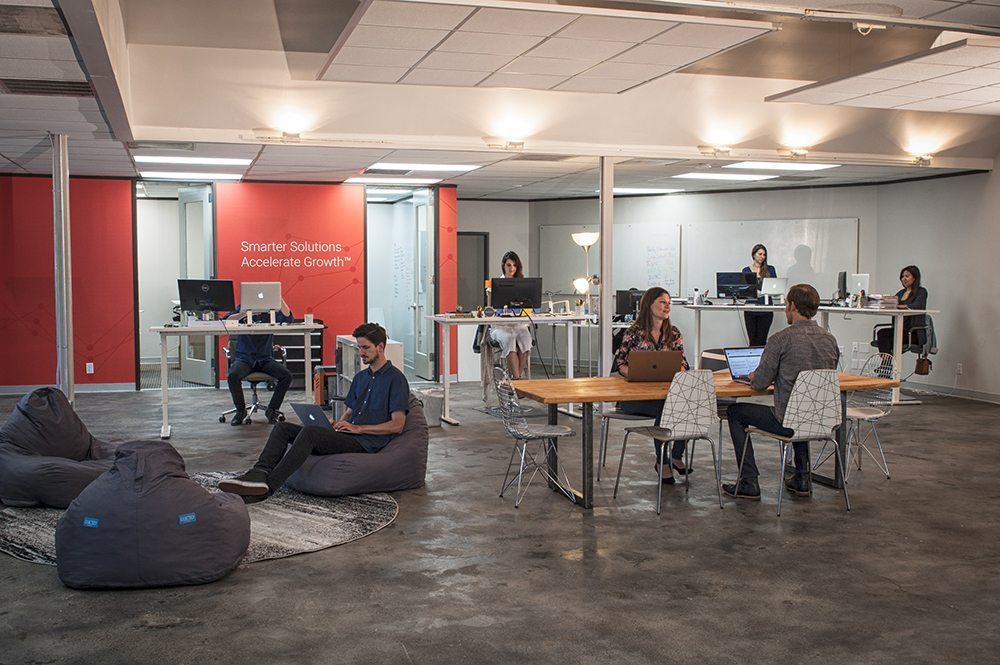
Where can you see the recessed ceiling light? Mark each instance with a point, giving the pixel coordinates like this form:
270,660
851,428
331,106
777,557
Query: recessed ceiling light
370,180
781,166
644,190
180,175
425,167
725,176
207,161
383,191
377,199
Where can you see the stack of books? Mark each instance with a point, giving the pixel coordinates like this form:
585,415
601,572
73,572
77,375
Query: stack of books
876,301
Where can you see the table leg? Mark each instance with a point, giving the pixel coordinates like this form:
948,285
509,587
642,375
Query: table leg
553,457
552,460
824,320
697,339
897,357
446,363
307,352
164,389
569,410
588,455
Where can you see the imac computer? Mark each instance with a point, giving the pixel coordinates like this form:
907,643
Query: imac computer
206,295
516,292
738,285
627,302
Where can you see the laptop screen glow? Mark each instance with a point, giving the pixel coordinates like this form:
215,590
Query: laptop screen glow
743,361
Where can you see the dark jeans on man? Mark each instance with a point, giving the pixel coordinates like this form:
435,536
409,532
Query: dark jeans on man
240,369
279,460
742,415
758,326
654,409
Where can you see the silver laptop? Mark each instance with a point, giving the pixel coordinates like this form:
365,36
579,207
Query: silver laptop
260,296
312,415
743,361
649,366
774,286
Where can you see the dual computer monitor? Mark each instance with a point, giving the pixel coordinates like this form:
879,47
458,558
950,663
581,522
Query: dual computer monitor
216,295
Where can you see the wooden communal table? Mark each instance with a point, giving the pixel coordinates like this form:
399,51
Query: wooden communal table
587,391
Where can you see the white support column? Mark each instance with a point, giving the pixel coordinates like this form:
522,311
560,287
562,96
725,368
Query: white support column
63,265
607,307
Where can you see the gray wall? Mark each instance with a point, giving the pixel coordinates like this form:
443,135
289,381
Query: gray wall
158,241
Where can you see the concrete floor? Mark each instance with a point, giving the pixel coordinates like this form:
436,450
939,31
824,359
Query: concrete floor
911,575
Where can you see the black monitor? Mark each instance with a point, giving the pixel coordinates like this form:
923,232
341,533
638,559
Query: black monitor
841,285
516,292
742,285
206,295
627,302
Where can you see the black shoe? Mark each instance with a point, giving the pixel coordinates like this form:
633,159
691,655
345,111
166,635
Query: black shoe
255,499
748,489
798,485
238,418
669,480
272,415
251,483
681,470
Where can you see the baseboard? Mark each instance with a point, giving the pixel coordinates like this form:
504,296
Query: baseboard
951,391
80,388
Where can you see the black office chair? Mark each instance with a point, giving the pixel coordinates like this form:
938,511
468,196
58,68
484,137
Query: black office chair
254,378
919,339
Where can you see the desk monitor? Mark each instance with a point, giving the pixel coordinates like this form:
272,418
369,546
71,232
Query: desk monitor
516,292
774,286
627,302
206,295
841,285
860,283
260,296
741,285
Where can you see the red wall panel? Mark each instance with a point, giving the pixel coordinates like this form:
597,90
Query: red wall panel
103,288
308,237
448,262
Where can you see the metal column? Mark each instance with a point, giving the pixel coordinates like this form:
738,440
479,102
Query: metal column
63,265
607,307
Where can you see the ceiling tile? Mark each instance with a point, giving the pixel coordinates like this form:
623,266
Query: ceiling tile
987,94
364,74
413,15
913,71
472,62
978,76
964,55
934,105
985,109
659,54
878,101
930,89
32,47
611,28
625,70
577,49
444,77
516,22
555,66
974,14
531,81
51,70
706,36
612,86
391,37
378,57
484,42
862,86
821,97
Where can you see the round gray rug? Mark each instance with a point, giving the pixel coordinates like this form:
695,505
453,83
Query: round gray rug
288,523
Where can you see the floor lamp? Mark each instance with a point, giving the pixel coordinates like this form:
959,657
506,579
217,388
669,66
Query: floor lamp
585,239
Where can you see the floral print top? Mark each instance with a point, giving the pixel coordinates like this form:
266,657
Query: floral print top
634,340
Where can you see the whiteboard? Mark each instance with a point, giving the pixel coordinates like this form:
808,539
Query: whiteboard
810,251
644,255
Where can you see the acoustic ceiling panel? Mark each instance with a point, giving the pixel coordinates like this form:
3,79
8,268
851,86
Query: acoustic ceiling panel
525,45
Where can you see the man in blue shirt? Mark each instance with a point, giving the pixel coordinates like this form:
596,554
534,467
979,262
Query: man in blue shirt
376,411
255,353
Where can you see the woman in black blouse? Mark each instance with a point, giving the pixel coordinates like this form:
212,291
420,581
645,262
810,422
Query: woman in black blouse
911,296
652,331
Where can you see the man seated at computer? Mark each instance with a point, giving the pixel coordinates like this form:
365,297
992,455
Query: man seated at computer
802,346
255,353
377,403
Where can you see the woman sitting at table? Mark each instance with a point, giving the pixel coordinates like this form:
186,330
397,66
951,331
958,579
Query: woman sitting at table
652,331
759,323
514,340
911,296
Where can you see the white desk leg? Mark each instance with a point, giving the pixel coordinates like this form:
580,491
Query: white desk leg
446,364
570,326
697,339
308,358
164,389
897,357
824,320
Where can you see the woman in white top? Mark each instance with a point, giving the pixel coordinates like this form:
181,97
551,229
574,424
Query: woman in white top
514,340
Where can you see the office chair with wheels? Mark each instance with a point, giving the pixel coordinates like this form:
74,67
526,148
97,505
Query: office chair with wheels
254,378
921,340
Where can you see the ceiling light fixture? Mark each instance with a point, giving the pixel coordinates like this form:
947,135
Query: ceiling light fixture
864,29
715,150
643,190
370,180
501,143
424,167
382,191
180,175
923,160
269,134
725,176
205,161
794,153
781,166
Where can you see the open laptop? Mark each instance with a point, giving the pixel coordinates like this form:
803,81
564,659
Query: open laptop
647,366
742,361
260,296
774,286
312,415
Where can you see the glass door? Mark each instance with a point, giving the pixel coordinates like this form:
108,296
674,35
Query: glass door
423,298
197,243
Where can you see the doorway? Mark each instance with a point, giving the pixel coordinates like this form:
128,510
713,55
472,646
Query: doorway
473,268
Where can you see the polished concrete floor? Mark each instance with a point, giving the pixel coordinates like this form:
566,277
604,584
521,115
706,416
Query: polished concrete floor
910,575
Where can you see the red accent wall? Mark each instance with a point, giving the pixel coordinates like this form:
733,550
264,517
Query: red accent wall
292,219
448,263
103,288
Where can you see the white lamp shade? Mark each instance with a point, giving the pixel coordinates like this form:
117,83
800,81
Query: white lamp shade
586,238
581,284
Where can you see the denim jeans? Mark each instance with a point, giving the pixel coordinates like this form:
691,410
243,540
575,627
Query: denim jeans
742,415
654,409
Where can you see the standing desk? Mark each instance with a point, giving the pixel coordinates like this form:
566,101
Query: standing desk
587,391
447,321
226,328
897,316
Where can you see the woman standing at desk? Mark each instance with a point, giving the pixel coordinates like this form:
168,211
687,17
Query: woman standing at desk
652,331
514,340
911,296
759,323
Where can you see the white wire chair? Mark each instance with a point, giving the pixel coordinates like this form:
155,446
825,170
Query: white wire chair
689,412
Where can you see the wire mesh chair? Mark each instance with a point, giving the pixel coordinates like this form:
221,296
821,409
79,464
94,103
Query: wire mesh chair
689,412
532,458
813,414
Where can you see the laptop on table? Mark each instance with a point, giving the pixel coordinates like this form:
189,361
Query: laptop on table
652,366
742,361
260,296
312,415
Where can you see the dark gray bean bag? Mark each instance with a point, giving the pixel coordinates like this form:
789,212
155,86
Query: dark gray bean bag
401,465
145,523
47,456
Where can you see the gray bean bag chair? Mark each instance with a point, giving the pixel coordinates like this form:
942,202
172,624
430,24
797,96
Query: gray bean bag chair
145,523
47,456
401,465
